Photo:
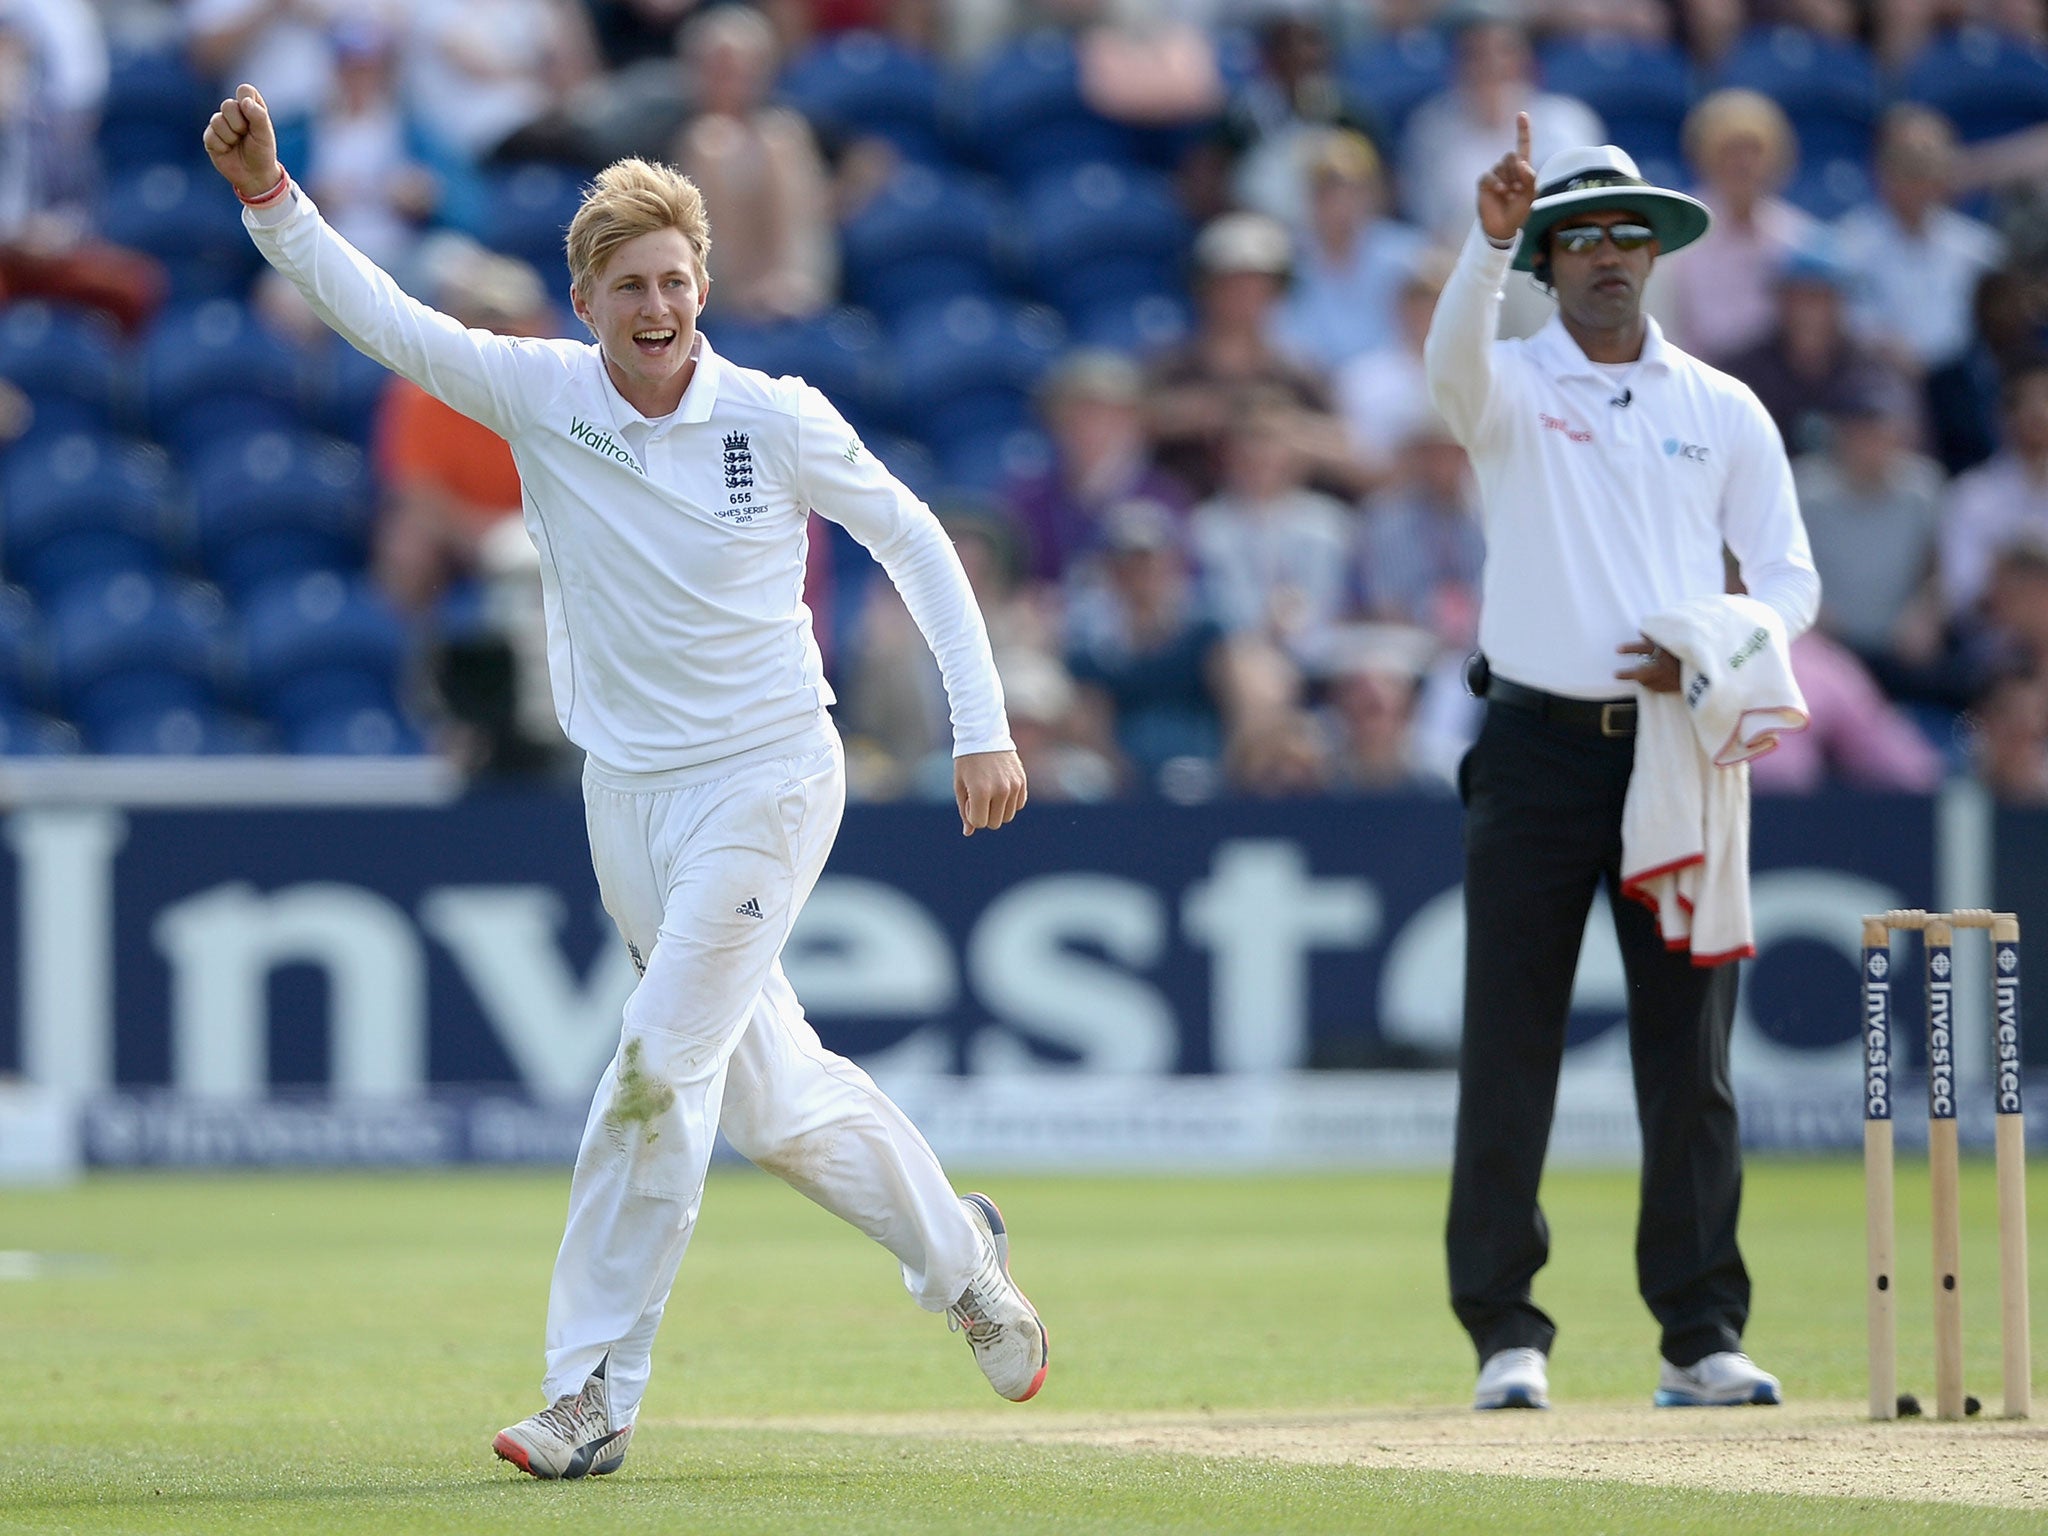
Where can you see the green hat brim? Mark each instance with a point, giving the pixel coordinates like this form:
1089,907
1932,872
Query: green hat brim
1678,220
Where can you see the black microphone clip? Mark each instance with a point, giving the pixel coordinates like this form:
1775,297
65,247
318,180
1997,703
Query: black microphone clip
1624,397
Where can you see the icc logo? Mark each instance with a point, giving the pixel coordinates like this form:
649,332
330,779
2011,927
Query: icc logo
2008,961
1939,965
1879,965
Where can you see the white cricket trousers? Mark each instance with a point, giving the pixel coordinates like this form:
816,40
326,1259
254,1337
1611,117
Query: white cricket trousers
704,874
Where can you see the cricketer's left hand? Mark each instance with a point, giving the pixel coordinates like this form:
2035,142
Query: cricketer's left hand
990,788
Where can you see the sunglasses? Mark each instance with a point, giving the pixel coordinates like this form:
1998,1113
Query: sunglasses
1581,238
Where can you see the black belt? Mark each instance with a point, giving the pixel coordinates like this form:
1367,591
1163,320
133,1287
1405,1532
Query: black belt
1608,717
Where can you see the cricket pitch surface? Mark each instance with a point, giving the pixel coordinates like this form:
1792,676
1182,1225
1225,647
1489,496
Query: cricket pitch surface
1824,1450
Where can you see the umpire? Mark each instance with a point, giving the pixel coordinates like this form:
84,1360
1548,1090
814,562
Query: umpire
1613,469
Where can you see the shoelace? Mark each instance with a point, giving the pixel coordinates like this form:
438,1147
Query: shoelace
573,1419
970,1312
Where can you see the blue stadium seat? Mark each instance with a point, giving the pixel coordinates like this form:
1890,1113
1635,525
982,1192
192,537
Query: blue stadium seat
318,644
66,360
83,504
842,352
1395,74
211,370
155,110
271,504
343,391
1143,326
22,661
366,731
1099,232
527,214
129,643
1024,112
969,366
180,730
859,83
24,733
188,218
988,461
1985,82
925,236
1831,90
1642,93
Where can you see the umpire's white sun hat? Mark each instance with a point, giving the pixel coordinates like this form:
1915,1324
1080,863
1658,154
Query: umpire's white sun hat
1602,177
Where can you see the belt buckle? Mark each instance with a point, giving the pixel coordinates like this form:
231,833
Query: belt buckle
1608,725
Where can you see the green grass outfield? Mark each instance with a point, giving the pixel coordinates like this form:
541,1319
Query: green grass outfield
312,1354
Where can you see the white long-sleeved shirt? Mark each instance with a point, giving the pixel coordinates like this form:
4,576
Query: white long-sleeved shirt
1598,513
671,551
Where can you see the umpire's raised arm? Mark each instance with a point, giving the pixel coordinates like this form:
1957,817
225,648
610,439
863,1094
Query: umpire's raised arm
1457,355
492,379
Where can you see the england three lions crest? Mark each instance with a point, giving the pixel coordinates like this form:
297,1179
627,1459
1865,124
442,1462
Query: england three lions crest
739,478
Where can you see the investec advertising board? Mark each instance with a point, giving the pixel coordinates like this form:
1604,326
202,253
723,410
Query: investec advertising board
1237,984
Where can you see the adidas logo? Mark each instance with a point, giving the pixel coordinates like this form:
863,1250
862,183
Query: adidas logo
750,908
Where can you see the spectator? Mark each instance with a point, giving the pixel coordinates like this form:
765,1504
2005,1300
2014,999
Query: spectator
2009,330
1455,136
1421,545
1742,150
1854,735
1382,395
1809,358
365,161
1092,404
1295,97
47,249
1375,676
1274,556
448,481
2009,739
895,699
758,167
1873,516
2016,604
1148,654
1352,259
1915,261
2002,500
1279,755
1046,722
492,79
1196,390
289,47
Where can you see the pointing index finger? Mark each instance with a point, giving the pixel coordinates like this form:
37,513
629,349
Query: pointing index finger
1522,136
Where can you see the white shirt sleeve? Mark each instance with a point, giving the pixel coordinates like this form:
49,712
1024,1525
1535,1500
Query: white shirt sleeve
1458,355
1760,521
501,381
841,480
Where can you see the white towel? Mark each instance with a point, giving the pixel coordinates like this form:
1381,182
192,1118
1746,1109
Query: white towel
1685,825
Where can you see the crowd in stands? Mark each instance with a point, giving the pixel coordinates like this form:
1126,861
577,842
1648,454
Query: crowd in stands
1132,291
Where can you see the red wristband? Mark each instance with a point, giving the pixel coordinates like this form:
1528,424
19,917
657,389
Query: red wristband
284,185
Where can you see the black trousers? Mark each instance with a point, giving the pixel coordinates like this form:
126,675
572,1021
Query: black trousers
1543,808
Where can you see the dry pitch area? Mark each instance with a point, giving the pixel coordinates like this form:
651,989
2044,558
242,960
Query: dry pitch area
1823,1451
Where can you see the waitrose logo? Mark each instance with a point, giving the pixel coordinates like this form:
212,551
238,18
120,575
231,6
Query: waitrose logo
600,440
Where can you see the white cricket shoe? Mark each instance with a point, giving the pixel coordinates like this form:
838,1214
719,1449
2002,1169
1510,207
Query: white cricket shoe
1513,1378
1009,1342
571,1438
1723,1380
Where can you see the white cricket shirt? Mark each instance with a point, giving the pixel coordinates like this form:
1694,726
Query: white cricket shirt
671,550
1598,513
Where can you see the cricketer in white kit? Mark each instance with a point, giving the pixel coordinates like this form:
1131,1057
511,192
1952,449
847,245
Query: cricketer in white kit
667,492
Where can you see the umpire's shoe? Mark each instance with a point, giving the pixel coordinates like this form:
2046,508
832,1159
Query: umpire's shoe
1513,1378
573,1437
1723,1380
1009,1342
